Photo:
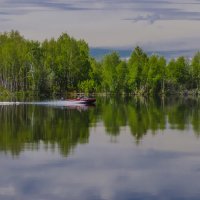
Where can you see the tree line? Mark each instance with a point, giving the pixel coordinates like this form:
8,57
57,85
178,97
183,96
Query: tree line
62,65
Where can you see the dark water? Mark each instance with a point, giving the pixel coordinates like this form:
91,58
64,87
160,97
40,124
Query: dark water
121,149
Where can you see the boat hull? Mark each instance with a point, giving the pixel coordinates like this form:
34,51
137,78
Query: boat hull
86,101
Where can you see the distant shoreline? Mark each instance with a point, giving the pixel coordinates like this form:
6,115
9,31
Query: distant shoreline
98,53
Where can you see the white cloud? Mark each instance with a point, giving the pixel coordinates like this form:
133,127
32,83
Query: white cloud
106,23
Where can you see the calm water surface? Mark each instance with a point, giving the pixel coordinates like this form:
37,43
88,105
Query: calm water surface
121,149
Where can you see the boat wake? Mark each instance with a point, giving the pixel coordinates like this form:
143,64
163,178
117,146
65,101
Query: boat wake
7,103
58,103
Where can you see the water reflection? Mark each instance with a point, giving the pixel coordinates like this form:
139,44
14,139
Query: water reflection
24,124
65,153
69,126
143,115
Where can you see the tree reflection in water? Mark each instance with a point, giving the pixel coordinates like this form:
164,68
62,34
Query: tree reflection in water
26,126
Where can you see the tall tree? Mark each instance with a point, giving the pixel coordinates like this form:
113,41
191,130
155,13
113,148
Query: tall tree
156,73
136,67
195,70
178,73
109,65
121,73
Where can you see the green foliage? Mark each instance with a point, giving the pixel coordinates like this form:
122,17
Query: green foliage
136,69
57,66
178,73
109,75
156,73
195,70
87,86
121,73
95,74
51,67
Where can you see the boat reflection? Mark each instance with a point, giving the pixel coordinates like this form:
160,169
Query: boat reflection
80,107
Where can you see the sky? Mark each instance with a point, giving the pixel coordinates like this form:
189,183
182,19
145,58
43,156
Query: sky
151,24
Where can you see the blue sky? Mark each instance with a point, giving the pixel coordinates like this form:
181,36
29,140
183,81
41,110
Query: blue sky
152,24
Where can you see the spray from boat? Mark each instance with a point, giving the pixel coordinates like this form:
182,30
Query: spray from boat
80,101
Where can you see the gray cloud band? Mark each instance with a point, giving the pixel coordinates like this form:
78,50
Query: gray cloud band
151,10
166,14
91,4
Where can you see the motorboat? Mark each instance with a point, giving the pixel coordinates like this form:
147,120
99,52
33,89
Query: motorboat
82,100
79,101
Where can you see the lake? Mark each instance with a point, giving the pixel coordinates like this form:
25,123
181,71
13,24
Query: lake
120,149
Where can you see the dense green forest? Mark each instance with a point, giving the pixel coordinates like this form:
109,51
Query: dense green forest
63,65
